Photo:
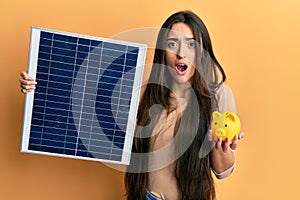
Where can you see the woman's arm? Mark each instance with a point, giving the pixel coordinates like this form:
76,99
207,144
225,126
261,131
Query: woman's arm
222,155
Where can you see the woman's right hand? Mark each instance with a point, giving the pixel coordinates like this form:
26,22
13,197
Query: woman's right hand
27,83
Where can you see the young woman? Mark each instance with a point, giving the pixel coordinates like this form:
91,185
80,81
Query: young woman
185,86
187,82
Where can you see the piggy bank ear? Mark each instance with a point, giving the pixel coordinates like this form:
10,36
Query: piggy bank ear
230,116
216,114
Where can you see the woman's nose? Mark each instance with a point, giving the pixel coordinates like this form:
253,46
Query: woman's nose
181,51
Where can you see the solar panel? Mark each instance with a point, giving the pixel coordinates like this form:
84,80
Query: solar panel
86,99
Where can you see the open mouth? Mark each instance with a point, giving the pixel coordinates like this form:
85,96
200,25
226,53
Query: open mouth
181,68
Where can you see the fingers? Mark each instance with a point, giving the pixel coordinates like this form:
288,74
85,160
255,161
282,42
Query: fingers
210,135
227,144
236,139
234,143
27,90
27,83
218,144
26,76
224,145
241,135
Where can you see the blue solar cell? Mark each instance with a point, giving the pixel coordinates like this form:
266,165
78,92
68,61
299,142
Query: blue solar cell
130,62
42,76
71,140
120,133
83,98
131,56
71,132
107,125
92,83
95,57
58,98
56,78
98,149
115,157
94,63
61,72
113,53
52,143
38,102
62,59
92,70
112,60
103,93
133,49
52,149
83,48
38,109
65,38
122,126
81,153
56,104
102,156
40,93
96,50
84,41
63,52
43,69
38,122
45,49
117,151
111,73
46,42
43,63
37,115
45,34
60,65
129,75
34,147
64,45
118,47
95,43
36,135
69,151
81,56
106,86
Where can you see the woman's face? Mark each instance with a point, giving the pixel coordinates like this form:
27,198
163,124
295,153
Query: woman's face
181,52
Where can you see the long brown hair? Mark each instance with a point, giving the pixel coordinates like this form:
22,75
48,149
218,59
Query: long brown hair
193,173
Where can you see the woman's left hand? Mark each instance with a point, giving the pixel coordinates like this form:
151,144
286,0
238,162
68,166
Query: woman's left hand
226,145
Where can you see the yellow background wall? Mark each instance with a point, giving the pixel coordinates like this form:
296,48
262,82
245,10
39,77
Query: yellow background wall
257,43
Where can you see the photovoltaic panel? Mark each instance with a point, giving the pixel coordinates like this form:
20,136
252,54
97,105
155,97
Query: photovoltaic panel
86,99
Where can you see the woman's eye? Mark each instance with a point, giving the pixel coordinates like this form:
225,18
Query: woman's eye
192,44
171,44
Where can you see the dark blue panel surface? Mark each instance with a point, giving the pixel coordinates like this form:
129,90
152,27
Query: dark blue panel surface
81,104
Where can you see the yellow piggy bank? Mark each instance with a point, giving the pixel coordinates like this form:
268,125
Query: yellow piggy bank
225,124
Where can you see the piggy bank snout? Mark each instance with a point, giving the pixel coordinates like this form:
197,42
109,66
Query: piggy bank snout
220,132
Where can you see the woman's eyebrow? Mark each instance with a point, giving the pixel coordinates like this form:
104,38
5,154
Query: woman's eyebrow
176,39
172,39
192,38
